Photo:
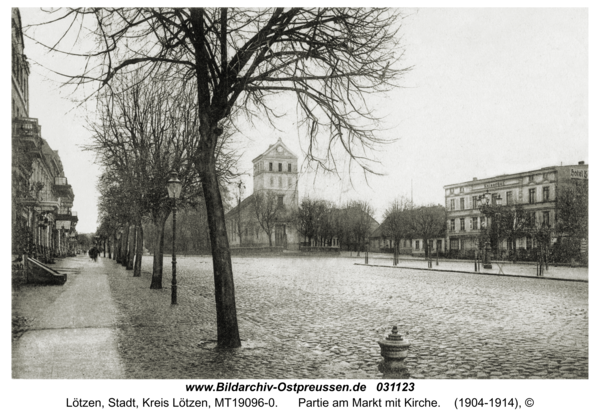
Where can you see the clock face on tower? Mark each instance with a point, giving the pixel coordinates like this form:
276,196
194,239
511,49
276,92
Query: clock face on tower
279,148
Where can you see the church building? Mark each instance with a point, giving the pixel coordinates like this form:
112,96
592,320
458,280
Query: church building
265,218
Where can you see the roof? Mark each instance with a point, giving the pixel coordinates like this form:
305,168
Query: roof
245,203
501,176
272,147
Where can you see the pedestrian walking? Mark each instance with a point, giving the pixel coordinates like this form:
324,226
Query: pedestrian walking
93,254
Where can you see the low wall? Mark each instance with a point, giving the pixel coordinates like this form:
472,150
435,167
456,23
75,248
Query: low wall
254,250
320,249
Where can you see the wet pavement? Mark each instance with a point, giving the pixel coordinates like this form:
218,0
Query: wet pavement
73,335
309,318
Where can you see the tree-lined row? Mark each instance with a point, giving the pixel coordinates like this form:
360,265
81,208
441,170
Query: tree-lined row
321,221
144,129
405,221
327,60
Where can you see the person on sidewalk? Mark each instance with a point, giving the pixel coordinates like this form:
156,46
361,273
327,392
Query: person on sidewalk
94,254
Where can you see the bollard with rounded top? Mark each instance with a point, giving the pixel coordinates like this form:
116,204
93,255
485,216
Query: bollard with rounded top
394,349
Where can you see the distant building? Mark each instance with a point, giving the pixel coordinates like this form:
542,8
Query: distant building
535,190
275,176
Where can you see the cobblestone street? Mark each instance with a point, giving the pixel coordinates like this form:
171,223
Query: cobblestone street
309,318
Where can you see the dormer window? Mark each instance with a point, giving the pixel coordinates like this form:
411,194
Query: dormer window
270,166
290,168
280,166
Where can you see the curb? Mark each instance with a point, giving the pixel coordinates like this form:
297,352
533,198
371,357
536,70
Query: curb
482,274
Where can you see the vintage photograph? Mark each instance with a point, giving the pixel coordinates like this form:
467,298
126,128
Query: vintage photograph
299,193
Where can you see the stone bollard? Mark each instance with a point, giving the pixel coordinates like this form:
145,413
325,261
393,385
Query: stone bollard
394,349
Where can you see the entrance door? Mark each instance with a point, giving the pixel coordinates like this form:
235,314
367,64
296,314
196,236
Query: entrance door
279,232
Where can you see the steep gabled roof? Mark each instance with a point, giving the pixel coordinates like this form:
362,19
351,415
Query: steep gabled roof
243,205
272,147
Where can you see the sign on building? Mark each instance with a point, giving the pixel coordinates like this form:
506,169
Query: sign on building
579,173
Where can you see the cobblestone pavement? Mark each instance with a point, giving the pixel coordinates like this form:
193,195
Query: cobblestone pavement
315,318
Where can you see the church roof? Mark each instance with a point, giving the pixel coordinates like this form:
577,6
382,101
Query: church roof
272,147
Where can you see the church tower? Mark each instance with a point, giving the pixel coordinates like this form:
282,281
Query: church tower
276,170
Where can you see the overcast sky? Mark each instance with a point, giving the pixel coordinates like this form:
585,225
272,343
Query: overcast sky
492,91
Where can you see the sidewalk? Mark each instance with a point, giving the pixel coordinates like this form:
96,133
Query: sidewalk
579,274
75,336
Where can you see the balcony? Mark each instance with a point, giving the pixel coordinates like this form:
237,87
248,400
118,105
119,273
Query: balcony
27,131
48,205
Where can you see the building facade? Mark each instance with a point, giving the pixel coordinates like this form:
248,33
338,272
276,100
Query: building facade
275,180
43,224
535,192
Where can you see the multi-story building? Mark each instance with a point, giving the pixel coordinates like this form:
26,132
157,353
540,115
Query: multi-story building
275,177
535,191
43,224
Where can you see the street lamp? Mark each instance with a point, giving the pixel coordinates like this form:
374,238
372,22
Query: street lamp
485,200
174,189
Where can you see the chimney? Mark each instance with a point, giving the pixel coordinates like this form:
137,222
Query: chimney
581,162
474,178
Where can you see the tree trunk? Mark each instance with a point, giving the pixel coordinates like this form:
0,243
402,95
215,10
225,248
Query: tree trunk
157,264
124,242
137,268
117,249
131,252
227,326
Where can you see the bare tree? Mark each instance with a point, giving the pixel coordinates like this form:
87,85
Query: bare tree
429,222
267,210
144,130
398,222
361,212
328,59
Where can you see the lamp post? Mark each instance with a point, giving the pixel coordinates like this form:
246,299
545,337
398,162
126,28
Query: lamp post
174,189
486,200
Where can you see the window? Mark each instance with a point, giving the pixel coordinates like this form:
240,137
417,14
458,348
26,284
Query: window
279,201
482,222
530,219
531,195
270,166
452,190
545,176
454,244
509,198
280,167
462,203
529,243
530,179
280,182
474,223
272,181
462,224
546,193
451,224
290,168
416,244
546,219
494,199
289,182
462,189
452,206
